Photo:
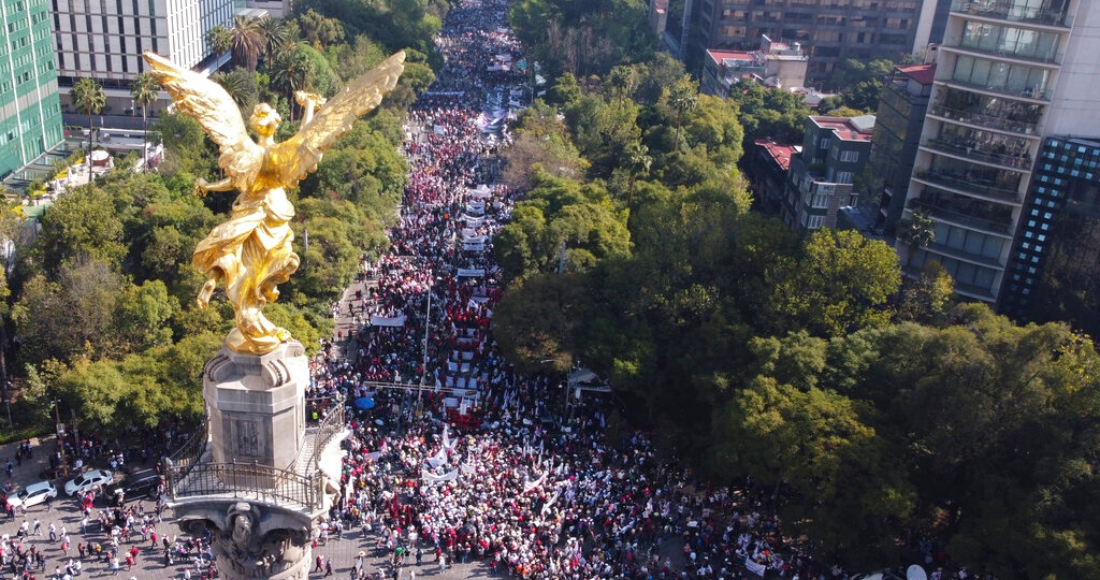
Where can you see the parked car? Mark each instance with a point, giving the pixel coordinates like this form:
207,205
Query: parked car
33,494
140,484
89,480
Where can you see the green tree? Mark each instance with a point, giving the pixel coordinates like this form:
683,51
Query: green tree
565,91
81,223
290,72
916,233
89,98
682,97
219,39
621,83
247,40
241,86
840,283
144,90
818,443
276,34
637,161
537,321
561,212
320,30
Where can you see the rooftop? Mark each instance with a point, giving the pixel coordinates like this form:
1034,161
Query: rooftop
779,153
847,128
721,56
921,73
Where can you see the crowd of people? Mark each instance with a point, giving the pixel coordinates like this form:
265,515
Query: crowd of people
469,460
461,458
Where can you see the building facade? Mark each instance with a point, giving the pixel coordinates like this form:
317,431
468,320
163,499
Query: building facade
766,166
832,30
821,176
30,111
1008,72
104,39
1054,270
894,145
774,64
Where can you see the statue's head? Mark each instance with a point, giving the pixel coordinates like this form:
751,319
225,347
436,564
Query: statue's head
265,120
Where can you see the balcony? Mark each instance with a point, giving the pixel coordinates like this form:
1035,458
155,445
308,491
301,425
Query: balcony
987,121
1006,10
1030,95
1051,58
974,187
971,152
1003,229
965,256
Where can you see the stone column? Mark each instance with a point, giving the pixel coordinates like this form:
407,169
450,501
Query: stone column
256,405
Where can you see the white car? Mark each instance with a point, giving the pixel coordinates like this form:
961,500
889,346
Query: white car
89,480
33,494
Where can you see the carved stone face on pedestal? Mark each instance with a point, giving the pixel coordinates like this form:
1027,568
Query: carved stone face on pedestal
254,541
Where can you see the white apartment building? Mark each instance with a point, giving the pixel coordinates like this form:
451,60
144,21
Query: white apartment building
104,39
1009,73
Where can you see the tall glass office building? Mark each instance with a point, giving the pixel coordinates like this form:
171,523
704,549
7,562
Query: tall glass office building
30,111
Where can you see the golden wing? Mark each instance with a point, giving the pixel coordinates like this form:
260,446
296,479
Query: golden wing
301,153
205,100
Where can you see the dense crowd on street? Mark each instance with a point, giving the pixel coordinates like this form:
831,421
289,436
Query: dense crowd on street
456,458
476,465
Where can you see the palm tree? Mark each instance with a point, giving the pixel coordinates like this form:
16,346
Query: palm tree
219,40
88,97
290,72
276,35
682,97
917,233
236,83
637,161
621,81
144,90
247,40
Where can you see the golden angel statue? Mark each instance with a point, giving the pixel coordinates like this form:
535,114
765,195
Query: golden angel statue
252,250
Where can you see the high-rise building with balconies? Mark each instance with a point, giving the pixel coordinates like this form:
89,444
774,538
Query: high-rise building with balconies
1008,73
30,113
831,30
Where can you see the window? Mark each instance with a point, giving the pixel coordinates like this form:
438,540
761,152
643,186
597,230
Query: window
815,222
819,201
844,176
849,156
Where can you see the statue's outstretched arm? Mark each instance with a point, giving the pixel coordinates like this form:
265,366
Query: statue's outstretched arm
202,187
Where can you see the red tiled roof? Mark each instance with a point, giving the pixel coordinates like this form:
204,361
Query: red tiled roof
718,55
922,73
780,153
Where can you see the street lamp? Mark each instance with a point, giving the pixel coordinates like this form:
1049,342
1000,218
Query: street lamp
60,430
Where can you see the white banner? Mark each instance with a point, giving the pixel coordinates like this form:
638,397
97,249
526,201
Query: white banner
438,459
549,503
388,320
482,192
471,272
440,130
432,479
528,485
471,221
755,568
447,444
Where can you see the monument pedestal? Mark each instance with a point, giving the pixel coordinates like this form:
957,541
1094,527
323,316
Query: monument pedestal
256,407
255,485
